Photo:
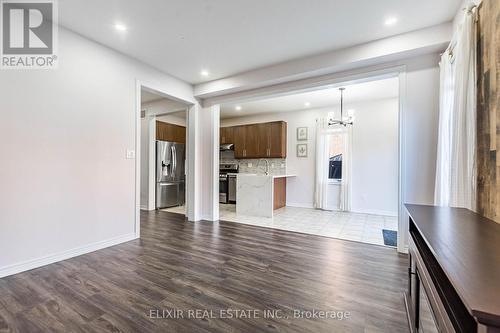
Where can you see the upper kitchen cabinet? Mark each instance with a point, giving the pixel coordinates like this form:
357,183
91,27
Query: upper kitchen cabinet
264,140
277,139
226,135
239,136
252,141
170,132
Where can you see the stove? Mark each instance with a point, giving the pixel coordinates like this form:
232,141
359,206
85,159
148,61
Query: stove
227,182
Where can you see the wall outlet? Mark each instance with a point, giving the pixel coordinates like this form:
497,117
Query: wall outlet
250,165
130,155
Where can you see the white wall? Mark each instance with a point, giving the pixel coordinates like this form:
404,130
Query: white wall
375,136
375,158
421,129
66,187
173,119
164,106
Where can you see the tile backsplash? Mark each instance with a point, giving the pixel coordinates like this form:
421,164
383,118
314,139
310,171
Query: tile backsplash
277,166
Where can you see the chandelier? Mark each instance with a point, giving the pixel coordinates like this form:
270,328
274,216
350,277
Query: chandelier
343,121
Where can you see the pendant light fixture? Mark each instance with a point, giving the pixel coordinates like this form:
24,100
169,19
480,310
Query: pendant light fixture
349,120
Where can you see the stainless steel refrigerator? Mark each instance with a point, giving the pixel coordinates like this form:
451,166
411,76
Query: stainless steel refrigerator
170,175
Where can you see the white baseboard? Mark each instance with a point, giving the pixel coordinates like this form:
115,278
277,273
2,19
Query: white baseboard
300,204
375,212
50,259
362,211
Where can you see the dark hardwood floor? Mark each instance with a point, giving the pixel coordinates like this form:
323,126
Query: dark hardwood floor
211,266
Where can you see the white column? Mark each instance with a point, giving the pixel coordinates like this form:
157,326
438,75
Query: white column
203,163
193,180
152,162
209,123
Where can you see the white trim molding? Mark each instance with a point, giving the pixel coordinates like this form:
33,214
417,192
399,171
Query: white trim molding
50,259
155,88
337,79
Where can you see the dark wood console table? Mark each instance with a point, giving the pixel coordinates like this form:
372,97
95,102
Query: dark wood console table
454,272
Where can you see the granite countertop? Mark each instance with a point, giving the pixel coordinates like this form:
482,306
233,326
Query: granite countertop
264,175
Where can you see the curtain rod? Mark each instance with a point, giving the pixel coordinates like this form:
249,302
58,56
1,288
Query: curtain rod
469,10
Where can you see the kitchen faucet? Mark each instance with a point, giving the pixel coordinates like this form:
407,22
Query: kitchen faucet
267,165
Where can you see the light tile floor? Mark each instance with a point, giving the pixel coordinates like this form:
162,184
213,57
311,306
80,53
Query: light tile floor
364,228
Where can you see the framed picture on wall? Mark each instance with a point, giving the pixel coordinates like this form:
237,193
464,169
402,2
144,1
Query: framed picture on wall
302,150
301,133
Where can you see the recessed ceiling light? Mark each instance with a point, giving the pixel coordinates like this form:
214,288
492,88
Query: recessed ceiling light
120,27
204,72
237,107
390,21
307,104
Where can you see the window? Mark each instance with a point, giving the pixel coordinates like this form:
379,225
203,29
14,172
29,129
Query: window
336,145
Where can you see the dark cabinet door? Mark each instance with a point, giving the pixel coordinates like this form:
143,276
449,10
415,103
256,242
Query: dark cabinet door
263,140
239,136
252,141
170,132
222,135
227,135
278,140
179,134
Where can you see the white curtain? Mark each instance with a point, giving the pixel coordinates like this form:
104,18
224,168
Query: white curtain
322,156
345,187
456,160
323,135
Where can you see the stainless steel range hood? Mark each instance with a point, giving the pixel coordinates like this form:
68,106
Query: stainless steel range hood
226,147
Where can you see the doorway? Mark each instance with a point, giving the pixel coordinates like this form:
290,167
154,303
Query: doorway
162,145
367,219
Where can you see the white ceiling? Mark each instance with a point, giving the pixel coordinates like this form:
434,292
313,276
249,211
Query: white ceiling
361,92
231,36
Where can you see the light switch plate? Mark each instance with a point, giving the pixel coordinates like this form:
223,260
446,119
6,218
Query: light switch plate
130,154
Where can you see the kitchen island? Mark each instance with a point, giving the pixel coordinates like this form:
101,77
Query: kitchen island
260,194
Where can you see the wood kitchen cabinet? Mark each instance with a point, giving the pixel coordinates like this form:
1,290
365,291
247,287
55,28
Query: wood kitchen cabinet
277,139
252,141
263,134
239,136
264,140
226,135
170,132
